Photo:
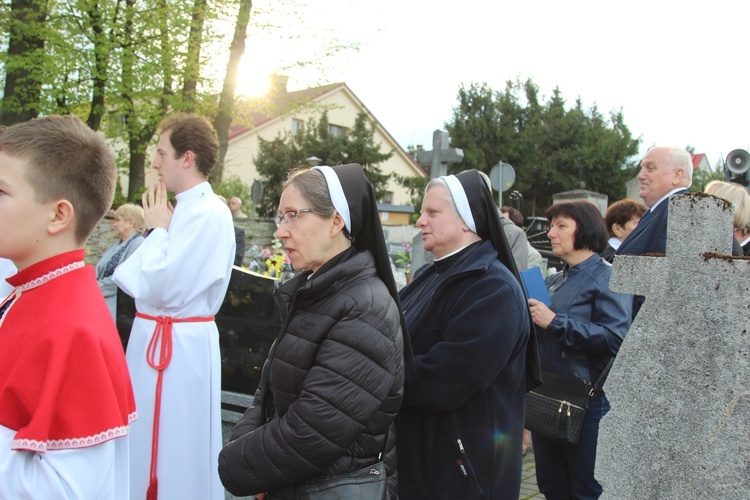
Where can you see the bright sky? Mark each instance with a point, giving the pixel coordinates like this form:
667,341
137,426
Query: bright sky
678,70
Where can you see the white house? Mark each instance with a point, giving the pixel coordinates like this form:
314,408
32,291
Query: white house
280,111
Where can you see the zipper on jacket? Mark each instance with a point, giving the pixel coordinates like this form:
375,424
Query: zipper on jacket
460,462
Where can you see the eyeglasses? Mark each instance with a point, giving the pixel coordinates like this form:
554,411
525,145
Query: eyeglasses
290,216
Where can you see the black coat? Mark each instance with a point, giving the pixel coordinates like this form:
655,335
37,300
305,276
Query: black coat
460,427
331,386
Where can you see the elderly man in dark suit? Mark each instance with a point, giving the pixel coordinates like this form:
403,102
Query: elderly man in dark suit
665,171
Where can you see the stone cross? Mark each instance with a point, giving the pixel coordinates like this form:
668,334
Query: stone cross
441,155
680,385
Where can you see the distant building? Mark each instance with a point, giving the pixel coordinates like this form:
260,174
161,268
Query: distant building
280,111
598,199
395,215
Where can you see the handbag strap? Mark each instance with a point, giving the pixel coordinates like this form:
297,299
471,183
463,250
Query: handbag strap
605,372
596,386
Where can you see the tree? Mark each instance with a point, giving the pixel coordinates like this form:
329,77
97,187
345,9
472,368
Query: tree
277,157
226,100
360,148
126,64
274,160
233,186
552,148
24,62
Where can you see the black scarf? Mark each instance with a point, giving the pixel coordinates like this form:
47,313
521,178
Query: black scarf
367,232
489,227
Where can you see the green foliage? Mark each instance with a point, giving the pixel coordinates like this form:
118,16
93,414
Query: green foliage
361,148
701,178
233,186
274,161
415,186
120,199
551,147
277,157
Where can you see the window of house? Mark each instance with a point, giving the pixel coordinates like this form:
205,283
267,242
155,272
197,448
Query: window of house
297,126
336,130
387,198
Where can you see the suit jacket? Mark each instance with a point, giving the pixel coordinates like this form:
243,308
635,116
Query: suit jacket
650,235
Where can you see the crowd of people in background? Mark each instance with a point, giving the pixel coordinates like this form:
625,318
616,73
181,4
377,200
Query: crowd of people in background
411,393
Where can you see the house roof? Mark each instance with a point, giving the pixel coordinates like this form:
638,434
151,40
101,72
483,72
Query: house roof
277,102
274,104
697,159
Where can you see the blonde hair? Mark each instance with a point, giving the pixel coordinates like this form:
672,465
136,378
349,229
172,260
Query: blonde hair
738,196
130,211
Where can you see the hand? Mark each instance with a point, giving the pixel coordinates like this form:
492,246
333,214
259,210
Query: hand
261,496
541,315
156,207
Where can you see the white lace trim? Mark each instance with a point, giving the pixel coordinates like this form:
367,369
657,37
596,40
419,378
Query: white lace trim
50,276
37,282
74,443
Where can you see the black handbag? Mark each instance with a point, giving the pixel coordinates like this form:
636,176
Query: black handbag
556,408
369,483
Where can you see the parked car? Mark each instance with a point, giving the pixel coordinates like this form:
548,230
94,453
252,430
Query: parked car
536,225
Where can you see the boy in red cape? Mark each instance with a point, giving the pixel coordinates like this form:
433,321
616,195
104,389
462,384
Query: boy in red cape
65,396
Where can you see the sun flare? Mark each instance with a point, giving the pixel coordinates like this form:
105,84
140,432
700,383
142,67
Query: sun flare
251,82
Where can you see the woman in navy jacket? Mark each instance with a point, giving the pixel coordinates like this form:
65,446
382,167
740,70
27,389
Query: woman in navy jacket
460,426
577,337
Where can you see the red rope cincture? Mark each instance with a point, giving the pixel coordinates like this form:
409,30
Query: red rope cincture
161,340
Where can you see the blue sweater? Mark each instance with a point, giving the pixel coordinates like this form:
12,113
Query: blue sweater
590,321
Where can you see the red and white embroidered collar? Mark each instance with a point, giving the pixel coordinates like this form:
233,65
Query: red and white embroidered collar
47,414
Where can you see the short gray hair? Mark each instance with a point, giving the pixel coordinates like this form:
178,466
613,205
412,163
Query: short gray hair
680,158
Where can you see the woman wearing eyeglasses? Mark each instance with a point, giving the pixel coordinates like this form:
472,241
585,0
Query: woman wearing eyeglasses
333,381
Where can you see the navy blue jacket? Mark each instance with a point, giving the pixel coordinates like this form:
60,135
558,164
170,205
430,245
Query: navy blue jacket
590,321
650,235
460,426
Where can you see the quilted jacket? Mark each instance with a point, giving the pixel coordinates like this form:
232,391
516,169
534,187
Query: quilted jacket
331,386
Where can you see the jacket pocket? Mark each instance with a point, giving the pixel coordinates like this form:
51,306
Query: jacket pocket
467,474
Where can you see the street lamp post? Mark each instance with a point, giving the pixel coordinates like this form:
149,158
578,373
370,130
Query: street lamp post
313,161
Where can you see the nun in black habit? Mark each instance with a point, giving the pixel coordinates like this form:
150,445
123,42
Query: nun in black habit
333,381
460,427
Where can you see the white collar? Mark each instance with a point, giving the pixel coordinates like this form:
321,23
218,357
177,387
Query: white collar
666,196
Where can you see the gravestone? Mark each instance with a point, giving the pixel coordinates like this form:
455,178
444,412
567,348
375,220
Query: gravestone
599,200
441,155
679,387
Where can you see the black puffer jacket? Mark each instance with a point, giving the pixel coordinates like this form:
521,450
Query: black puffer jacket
330,388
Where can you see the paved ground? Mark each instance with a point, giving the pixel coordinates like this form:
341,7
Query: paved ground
528,478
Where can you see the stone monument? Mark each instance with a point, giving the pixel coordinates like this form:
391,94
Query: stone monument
441,154
679,387
599,200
